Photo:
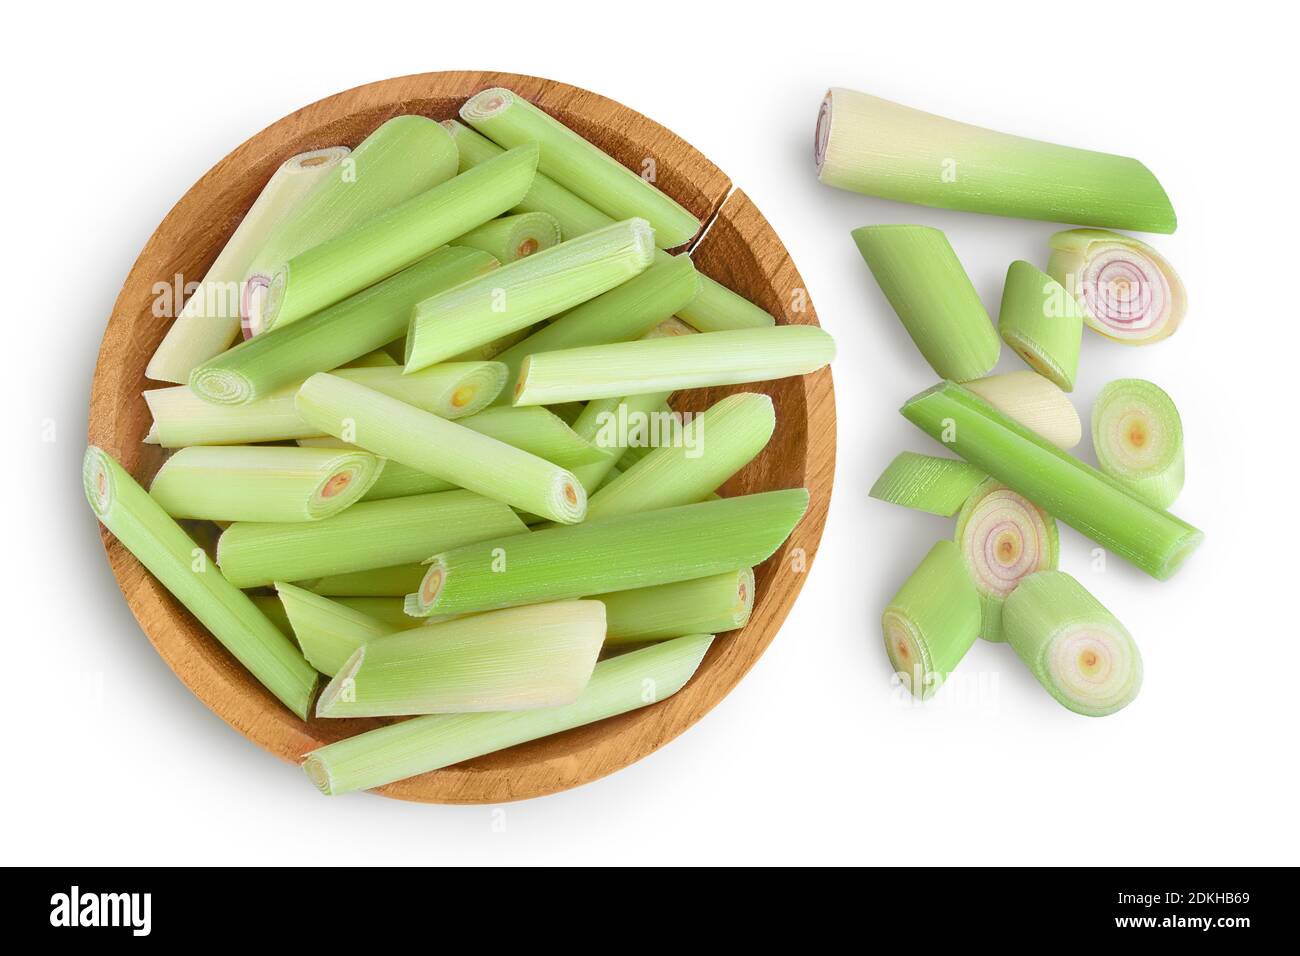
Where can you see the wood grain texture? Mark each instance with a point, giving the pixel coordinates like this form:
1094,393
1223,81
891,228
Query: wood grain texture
739,249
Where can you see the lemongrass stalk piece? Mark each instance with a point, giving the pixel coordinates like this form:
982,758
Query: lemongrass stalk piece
710,449
1128,291
1003,539
273,610
327,631
927,483
718,309
1065,487
515,659
614,554
157,541
376,359
396,238
610,423
396,581
401,159
1035,402
932,621
924,281
1137,434
1081,654
1042,322
713,604
869,145
510,120
513,237
527,291
209,321
387,611
254,483
370,534
366,321
410,747
673,362
441,448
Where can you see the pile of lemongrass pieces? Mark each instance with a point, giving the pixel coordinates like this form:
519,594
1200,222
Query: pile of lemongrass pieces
1014,477
420,404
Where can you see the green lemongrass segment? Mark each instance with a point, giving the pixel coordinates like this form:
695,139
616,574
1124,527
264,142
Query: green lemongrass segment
273,610
395,581
1003,538
625,312
1129,292
868,145
708,450
1137,434
515,659
451,390
401,159
715,309
932,622
510,120
613,554
1035,402
336,335
1042,322
513,237
671,363
410,747
376,359
171,556
263,483
388,611
328,632
713,604
209,322
939,486
924,281
370,534
1065,487
441,448
527,291
393,240
1081,654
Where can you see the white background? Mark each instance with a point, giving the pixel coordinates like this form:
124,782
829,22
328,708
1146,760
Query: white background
111,116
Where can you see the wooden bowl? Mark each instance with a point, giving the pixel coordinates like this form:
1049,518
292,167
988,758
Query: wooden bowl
739,249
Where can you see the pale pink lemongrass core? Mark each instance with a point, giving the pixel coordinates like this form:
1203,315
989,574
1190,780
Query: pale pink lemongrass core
1125,291
336,484
526,248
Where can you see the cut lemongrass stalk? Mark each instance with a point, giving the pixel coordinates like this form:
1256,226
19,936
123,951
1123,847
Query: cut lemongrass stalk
396,581
625,312
510,120
402,158
1138,437
712,447
1063,486
441,448
263,483
513,237
274,611
527,291
715,309
452,390
869,145
628,551
673,362
394,239
357,325
939,486
925,283
1003,539
932,621
1128,291
328,632
410,747
1079,652
396,480
1042,322
370,534
388,611
1035,402
209,322
515,659
168,553
717,603
376,359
